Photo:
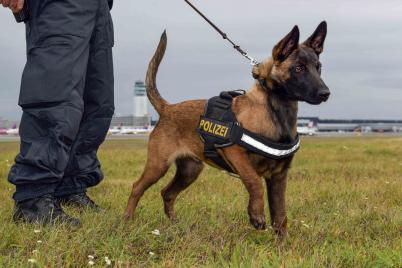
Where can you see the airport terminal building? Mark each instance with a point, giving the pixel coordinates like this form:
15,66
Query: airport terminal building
354,125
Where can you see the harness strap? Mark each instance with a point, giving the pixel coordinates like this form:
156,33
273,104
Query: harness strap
219,108
261,145
219,128
212,154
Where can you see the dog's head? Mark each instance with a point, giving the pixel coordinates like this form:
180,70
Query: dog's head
295,69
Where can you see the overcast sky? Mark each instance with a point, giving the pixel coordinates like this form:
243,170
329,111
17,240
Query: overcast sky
362,60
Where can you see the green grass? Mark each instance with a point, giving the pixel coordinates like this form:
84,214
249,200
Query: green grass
344,202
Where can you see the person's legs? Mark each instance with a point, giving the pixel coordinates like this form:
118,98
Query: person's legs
46,137
52,88
84,169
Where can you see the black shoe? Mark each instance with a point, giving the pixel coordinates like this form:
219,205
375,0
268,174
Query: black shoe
80,200
43,210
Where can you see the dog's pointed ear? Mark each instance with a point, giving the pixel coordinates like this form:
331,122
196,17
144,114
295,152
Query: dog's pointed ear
287,45
316,40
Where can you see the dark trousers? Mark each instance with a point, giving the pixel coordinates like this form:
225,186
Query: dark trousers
66,96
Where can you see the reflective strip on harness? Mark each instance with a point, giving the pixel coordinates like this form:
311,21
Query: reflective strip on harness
268,150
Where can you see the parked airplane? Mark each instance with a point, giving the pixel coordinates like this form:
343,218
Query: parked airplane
126,130
114,131
306,127
12,131
9,131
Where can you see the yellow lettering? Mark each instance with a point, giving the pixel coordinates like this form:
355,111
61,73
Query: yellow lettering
202,122
210,129
213,128
220,131
218,127
225,131
206,125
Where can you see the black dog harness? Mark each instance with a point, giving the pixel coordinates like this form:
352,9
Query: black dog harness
219,128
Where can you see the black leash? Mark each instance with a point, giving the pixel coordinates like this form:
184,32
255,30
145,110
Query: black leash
224,35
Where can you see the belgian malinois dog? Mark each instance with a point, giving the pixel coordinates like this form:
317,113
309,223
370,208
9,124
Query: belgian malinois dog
269,108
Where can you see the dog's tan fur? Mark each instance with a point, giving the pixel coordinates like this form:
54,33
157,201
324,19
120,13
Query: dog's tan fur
175,139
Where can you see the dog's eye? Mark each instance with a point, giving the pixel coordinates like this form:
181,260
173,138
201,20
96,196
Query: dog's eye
300,68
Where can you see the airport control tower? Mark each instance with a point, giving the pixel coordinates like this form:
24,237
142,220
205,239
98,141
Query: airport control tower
140,99
141,114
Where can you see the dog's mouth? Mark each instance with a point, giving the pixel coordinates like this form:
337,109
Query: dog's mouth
313,98
321,97
317,101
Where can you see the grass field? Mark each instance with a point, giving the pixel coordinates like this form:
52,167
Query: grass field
344,202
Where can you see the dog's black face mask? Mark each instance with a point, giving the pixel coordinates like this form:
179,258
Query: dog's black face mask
304,82
296,73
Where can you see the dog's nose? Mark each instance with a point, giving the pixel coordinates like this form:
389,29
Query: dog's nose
324,94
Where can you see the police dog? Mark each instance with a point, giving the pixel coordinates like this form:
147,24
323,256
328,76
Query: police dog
268,108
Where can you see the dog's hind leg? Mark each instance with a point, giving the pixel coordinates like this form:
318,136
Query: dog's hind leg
154,170
188,170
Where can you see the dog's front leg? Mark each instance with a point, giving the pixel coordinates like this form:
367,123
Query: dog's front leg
276,188
239,159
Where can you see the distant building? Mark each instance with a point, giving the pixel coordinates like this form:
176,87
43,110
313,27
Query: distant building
141,115
4,123
341,125
119,121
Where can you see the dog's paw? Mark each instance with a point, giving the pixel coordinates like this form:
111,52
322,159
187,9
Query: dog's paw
127,217
281,233
258,221
170,212
280,229
172,216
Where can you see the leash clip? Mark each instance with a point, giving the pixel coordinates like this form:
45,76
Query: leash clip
253,62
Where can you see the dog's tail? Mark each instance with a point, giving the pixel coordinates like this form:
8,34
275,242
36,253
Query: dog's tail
150,81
